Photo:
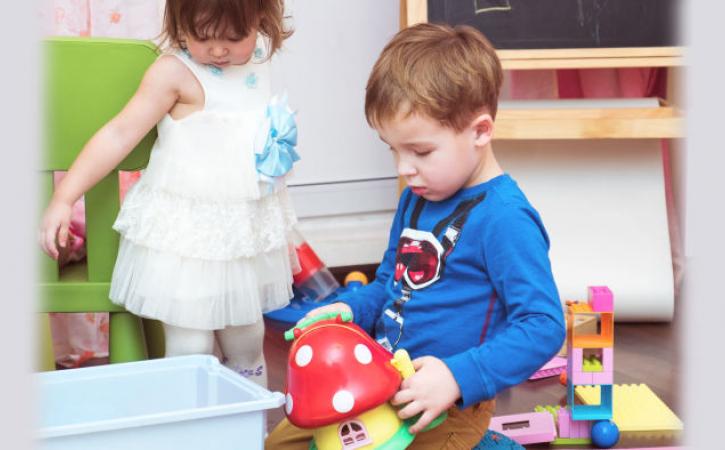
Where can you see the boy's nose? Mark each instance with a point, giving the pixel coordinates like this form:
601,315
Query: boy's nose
405,169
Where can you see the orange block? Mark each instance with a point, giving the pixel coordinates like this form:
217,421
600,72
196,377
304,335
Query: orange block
604,338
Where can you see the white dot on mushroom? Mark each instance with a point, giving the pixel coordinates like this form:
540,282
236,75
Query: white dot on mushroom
303,355
343,401
288,404
363,354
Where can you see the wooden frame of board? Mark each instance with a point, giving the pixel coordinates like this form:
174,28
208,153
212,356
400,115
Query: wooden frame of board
664,121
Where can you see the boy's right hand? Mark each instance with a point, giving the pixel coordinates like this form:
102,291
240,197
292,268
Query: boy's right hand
331,308
55,224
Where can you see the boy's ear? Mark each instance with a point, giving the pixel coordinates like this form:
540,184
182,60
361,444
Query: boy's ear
482,126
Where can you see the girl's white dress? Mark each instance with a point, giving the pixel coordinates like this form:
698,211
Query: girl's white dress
203,236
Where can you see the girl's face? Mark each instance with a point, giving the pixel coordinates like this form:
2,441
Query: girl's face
223,50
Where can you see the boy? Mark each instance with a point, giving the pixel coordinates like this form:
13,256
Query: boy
465,285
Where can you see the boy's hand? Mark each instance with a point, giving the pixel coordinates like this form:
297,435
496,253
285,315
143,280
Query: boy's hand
334,307
56,221
431,390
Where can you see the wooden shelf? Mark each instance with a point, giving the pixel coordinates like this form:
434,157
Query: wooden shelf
591,58
595,123
662,122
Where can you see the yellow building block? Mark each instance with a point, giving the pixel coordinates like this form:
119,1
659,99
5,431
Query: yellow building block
635,408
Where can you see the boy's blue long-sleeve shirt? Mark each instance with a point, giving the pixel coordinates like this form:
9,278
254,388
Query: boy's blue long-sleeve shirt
494,315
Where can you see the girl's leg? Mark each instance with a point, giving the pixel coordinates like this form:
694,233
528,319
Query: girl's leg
242,350
187,341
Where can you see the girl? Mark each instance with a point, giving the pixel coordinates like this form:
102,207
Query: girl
204,231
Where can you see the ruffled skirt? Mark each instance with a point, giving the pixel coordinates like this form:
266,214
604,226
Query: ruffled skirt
195,263
198,293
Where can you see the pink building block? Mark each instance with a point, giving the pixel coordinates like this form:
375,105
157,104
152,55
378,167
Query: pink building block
581,428
602,378
554,367
564,419
577,359
600,299
578,378
528,428
608,359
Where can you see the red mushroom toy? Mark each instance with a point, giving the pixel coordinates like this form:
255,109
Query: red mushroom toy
339,381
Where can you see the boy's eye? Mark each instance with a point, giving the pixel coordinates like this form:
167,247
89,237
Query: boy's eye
424,152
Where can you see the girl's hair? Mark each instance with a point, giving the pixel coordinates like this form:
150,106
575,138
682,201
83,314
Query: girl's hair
446,73
204,19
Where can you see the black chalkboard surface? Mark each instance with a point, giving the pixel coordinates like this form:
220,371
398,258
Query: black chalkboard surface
535,24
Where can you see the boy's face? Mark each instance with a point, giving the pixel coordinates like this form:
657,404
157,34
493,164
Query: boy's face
436,161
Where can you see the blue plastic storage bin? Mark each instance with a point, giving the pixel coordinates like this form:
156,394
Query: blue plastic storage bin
180,403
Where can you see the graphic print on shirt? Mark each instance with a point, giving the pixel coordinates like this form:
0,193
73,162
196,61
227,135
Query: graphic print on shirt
419,261
418,258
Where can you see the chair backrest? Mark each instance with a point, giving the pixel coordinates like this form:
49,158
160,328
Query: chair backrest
87,82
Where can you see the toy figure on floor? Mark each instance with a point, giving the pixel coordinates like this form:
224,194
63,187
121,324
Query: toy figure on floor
204,232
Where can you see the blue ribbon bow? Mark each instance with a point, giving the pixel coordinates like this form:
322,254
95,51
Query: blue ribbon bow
278,153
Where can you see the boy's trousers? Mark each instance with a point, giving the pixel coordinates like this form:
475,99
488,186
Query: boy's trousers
462,430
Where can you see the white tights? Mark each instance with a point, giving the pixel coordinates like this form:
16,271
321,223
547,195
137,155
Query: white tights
240,345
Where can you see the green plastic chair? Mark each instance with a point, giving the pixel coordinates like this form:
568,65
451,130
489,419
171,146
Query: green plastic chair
87,82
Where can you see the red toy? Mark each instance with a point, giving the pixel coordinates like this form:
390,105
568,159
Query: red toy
339,381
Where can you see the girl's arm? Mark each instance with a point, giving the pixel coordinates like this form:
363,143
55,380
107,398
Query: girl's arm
157,94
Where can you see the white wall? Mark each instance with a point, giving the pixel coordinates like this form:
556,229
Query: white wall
344,187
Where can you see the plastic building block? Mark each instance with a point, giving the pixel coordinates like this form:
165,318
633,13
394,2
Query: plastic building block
579,429
577,359
580,378
636,408
591,410
602,378
527,428
608,359
604,338
591,364
554,367
571,441
551,409
600,298
564,421
583,325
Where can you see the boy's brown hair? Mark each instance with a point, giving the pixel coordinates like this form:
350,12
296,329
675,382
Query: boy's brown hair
204,19
448,74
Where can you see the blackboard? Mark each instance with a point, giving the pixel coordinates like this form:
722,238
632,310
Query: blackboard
536,24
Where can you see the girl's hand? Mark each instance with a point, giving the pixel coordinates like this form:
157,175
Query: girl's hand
334,307
431,390
55,223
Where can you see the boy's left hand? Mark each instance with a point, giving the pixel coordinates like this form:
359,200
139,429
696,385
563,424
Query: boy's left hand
431,390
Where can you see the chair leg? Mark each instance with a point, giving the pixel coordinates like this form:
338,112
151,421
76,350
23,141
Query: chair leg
126,338
155,341
46,356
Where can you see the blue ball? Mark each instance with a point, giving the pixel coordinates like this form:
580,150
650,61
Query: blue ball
605,433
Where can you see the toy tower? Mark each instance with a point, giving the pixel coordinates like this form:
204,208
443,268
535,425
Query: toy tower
590,362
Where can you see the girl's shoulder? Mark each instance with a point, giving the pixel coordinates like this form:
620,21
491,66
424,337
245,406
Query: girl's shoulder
169,70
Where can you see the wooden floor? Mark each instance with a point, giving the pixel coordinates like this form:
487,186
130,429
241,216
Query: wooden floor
643,353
